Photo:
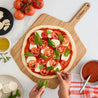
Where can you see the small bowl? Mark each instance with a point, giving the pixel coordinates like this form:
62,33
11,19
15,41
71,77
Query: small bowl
89,83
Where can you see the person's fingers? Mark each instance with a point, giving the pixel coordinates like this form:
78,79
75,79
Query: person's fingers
59,77
41,90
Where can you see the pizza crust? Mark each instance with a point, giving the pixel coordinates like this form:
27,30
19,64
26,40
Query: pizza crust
51,27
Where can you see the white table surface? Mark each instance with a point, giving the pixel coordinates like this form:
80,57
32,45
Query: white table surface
87,30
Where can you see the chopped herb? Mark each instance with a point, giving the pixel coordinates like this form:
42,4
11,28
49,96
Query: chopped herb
67,52
46,83
48,32
28,54
51,43
41,66
43,83
57,70
57,54
43,56
61,38
50,67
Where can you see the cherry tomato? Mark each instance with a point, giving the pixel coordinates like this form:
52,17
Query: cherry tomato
19,15
63,63
44,44
35,51
39,4
44,35
31,39
49,52
53,62
42,61
18,4
44,72
26,1
55,34
61,48
30,10
66,39
32,64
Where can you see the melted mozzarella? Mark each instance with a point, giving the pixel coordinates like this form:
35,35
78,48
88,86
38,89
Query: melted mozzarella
39,32
6,88
0,86
59,67
32,46
66,44
57,42
48,64
37,68
30,58
65,58
0,94
49,35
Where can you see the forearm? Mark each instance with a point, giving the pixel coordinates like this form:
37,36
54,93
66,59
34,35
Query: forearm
64,95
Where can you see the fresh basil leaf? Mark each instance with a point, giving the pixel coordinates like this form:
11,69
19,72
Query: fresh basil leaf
50,68
66,53
46,83
57,54
5,60
8,58
61,38
57,70
37,39
43,56
51,43
48,32
40,83
28,54
41,66
18,93
11,95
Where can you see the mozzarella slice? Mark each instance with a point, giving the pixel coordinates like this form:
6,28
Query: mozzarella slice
49,35
5,28
30,58
57,42
6,21
1,25
37,68
0,94
66,44
59,67
48,64
39,32
6,88
0,86
65,58
1,14
32,46
13,86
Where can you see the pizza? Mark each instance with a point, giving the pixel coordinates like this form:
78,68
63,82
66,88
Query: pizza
47,50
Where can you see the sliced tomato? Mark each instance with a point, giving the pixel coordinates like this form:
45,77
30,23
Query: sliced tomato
49,52
61,48
32,64
44,72
64,63
44,44
42,61
44,35
31,39
66,39
35,51
53,62
55,34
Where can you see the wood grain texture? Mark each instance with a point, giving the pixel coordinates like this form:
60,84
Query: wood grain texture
45,19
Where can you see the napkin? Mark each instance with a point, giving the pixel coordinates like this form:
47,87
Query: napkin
77,83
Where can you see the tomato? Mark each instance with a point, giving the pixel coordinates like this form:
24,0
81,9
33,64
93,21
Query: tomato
55,34
39,4
61,48
35,51
31,39
42,61
26,1
53,62
19,15
30,10
49,52
64,63
18,4
44,44
44,35
66,39
44,72
32,64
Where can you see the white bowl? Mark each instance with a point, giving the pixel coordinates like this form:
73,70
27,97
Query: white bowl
89,83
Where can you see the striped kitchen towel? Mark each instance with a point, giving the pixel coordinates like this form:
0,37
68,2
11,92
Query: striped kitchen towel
77,83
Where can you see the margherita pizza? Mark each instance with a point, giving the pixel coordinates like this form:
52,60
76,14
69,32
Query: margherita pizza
48,50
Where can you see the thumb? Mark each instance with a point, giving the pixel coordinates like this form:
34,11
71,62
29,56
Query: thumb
59,77
41,90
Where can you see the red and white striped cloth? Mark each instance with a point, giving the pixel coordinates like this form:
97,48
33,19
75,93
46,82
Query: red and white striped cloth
77,83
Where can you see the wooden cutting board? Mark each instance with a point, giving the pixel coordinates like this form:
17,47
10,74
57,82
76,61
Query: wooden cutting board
45,19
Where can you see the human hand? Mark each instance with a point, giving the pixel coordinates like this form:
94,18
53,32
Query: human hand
36,92
64,86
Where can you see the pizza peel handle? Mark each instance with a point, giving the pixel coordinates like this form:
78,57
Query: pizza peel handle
79,14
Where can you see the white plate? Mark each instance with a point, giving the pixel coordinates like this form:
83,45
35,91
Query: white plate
4,79
89,83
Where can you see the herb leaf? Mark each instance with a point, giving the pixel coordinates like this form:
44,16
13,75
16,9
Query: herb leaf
57,70
28,54
61,38
48,32
51,43
50,68
43,56
67,52
40,83
37,39
8,58
0,58
18,93
5,53
46,83
41,66
57,54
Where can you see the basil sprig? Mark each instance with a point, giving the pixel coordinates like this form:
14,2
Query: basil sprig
48,32
51,43
43,56
57,54
50,68
57,70
28,54
37,39
61,38
66,53
43,83
41,66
